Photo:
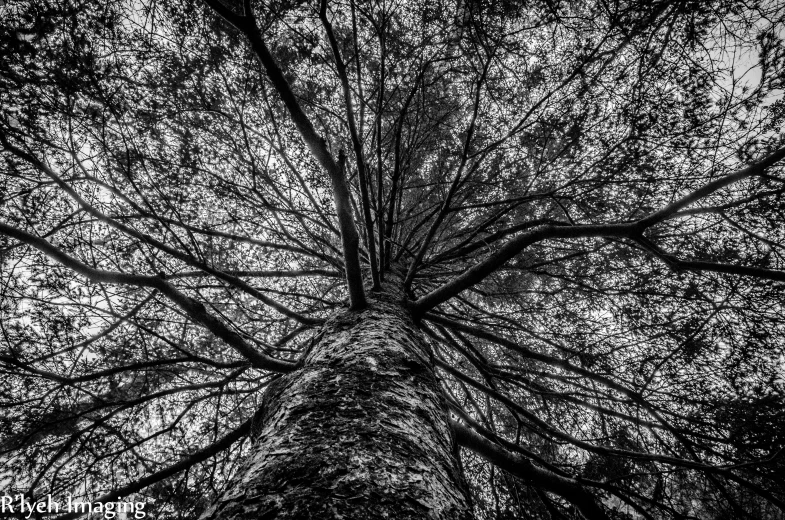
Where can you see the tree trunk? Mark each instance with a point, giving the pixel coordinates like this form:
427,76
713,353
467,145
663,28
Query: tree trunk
359,431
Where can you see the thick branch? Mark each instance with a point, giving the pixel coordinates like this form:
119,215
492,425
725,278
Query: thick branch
569,489
265,274
193,308
757,168
635,229
316,144
757,272
479,272
356,144
89,208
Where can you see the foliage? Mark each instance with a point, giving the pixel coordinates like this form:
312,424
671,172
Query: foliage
585,201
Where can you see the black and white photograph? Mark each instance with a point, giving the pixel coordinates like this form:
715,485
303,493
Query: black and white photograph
392,259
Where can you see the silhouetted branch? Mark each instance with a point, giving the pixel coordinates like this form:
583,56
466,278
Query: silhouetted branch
515,246
356,145
569,489
192,308
89,208
316,144
671,209
205,453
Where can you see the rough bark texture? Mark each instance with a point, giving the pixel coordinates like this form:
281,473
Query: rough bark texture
360,431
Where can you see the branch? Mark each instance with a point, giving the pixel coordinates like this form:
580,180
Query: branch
89,208
317,146
479,272
265,274
696,265
569,489
757,168
634,230
530,353
227,14
546,430
356,144
457,181
205,453
386,235
193,308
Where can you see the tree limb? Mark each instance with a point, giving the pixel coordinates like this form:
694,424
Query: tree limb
569,489
192,307
635,229
317,146
205,453
356,144
752,170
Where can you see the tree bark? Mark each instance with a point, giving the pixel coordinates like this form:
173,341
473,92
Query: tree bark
360,430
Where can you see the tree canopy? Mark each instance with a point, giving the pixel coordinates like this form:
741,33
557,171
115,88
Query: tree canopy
583,200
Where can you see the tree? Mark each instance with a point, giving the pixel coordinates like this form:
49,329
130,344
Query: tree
353,259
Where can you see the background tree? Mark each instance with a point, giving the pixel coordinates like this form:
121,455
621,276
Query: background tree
581,204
